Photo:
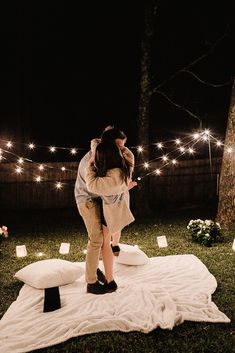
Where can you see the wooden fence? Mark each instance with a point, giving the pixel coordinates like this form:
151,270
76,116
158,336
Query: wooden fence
190,182
22,191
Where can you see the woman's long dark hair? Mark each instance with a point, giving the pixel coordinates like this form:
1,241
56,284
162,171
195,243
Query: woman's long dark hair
108,156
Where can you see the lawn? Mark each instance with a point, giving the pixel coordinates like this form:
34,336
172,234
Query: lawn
43,231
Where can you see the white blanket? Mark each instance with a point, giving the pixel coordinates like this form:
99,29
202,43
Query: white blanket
162,293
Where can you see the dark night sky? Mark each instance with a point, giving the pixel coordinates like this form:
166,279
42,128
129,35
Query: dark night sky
65,64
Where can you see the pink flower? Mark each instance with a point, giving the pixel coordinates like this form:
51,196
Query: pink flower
4,231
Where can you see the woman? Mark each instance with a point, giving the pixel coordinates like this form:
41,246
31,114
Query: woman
113,134
109,173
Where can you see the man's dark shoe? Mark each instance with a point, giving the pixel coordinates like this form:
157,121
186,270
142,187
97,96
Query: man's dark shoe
111,286
100,275
96,288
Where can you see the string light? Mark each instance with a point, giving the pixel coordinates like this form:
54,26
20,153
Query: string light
185,144
157,171
73,151
19,170
31,146
9,144
20,160
196,136
160,145
58,185
38,178
191,150
52,149
165,158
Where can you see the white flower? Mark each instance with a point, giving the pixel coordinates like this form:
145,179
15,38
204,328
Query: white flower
205,232
208,222
200,221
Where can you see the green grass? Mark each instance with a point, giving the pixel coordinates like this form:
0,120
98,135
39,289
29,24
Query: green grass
45,230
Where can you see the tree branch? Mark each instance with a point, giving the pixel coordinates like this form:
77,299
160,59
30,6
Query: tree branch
175,74
180,107
204,82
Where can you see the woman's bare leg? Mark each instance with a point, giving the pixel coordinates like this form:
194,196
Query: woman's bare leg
115,237
107,255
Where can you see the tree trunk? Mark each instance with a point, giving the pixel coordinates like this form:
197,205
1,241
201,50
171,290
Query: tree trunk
142,197
226,206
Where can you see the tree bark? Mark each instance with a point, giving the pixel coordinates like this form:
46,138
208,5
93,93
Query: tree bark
142,198
226,205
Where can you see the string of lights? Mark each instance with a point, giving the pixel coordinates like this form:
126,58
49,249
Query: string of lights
174,150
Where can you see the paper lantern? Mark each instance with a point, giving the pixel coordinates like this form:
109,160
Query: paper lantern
64,248
233,246
162,242
21,251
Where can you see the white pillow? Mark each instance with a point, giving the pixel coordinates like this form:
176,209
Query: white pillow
131,255
49,273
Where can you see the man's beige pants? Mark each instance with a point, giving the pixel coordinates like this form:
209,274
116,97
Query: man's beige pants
91,214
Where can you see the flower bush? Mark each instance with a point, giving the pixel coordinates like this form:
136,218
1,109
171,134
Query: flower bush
204,232
3,232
